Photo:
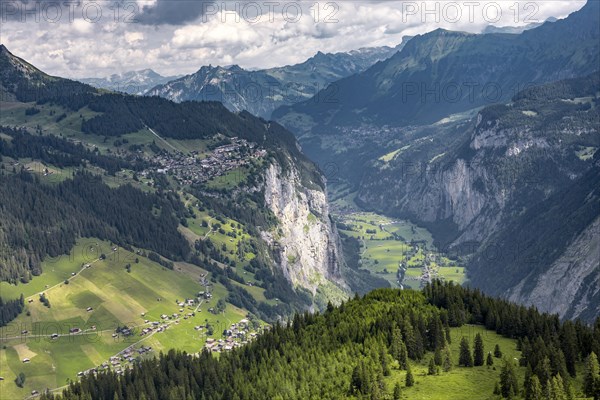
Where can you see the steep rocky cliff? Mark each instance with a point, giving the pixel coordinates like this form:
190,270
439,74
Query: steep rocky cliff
571,285
515,188
305,242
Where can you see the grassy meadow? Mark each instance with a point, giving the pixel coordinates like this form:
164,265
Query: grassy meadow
117,298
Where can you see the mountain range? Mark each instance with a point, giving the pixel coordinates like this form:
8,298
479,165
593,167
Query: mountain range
445,72
132,82
515,29
262,91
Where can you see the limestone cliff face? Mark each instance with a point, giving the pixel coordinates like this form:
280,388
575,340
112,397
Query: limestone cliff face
571,285
492,176
305,243
454,194
473,187
517,189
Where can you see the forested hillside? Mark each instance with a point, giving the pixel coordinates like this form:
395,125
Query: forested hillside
41,221
262,91
359,348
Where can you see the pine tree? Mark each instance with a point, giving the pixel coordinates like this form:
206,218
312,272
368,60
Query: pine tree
362,379
419,345
20,380
436,334
465,358
397,391
535,391
497,389
508,380
544,372
556,389
490,360
410,380
497,351
356,380
568,343
478,351
378,387
437,357
527,382
383,358
395,345
557,360
447,365
448,338
591,378
402,356
431,369
410,340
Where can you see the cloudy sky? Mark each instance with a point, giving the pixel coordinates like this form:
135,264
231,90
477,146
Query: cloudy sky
97,38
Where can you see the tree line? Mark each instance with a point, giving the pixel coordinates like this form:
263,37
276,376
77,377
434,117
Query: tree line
10,309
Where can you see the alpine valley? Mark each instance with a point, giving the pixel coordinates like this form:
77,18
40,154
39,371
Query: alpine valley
411,222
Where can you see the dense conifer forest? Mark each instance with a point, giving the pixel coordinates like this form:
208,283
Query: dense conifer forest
10,309
42,220
346,351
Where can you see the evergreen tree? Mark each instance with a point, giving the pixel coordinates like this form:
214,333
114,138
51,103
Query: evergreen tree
437,357
534,392
527,382
410,340
556,389
508,380
489,360
465,358
568,344
497,389
362,379
448,338
20,380
383,358
395,345
478,351
410,380
591,379
447,365
419,349
397,391
497,351
431,369
436,334
402,356
557,360
544,372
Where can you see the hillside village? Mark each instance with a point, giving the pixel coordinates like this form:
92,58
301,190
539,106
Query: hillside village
234,335
197,168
